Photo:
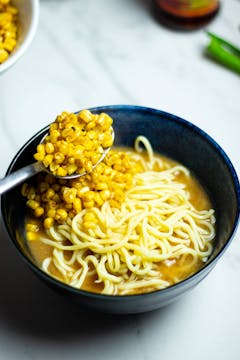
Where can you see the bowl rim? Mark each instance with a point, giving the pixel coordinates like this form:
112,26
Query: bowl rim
171,288
27,40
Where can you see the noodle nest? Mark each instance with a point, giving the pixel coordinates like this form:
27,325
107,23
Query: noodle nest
155,226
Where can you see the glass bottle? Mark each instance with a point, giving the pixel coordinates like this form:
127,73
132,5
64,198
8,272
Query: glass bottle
186,14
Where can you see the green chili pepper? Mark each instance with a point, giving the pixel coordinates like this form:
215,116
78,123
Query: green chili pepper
224,52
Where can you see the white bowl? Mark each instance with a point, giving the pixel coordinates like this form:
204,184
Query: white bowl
28,20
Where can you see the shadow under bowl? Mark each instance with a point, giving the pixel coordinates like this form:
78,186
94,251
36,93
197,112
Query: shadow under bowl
170,136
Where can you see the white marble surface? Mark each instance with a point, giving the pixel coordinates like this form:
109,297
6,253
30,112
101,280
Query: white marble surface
88,53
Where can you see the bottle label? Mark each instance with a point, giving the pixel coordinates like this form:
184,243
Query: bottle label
188,8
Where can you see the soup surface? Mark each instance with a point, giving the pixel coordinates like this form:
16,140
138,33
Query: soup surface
159,233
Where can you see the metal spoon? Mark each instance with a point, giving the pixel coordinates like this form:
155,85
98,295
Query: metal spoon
28,171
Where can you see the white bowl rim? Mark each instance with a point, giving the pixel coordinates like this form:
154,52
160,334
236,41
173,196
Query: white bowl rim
26,42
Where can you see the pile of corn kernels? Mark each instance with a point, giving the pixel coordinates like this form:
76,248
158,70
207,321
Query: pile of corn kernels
54,200
8,29
75,142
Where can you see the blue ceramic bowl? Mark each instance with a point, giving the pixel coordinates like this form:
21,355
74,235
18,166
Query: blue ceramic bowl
171,136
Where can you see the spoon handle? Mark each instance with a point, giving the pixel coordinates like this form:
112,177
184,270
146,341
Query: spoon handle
19,176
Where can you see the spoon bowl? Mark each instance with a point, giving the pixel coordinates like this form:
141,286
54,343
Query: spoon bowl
28,171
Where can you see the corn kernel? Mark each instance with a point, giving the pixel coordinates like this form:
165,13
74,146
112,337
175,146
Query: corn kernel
32,227
31,236
88,166
71,160
41,149
63,148
43,186
105,194
90,216
68,206
53,167
77,205
53,126
52,204
48,222
24,189
31,193
33,204
90,125
95,158
50,193
54,135
61,214
85,115
71,169
100,119
88,204
9,44
69,195
107,140
92,134
101,186
89,225
49,148
59,158
38,157
3,55
61,171
56,198
39,211
51,213
89,195
98,200
106,124
48,159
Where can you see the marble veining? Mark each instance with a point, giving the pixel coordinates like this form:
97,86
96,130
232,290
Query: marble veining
89,53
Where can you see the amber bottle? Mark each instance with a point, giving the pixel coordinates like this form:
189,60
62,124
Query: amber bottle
185,14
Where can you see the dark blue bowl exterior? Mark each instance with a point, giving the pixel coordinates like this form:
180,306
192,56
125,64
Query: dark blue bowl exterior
171,136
